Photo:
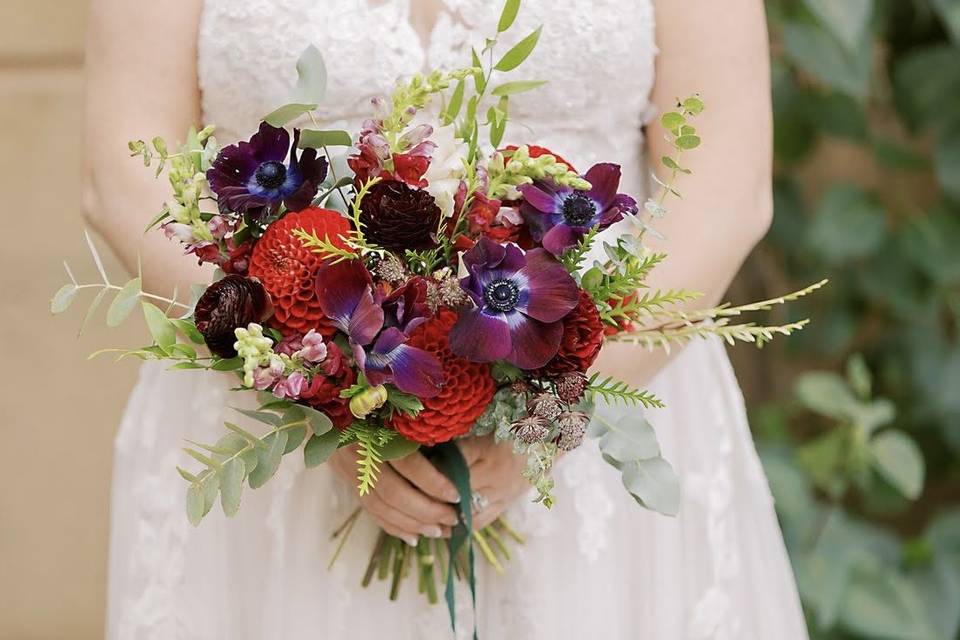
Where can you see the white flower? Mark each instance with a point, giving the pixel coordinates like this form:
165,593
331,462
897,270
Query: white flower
446,169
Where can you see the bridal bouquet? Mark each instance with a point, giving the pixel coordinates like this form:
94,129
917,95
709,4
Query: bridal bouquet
431,283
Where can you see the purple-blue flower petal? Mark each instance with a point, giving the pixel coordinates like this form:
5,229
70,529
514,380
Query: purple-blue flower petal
480,337
540,198
552,291
269,144
560,238
533,343
340,289
604,179
411,369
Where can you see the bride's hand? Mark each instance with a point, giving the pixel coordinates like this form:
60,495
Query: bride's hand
410,498
495,474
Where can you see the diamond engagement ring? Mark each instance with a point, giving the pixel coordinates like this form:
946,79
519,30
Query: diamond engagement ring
479,501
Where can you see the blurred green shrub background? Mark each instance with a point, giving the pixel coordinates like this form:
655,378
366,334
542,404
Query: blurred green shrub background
858,417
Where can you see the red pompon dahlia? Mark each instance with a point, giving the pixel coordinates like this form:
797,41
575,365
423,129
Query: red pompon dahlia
582,338
323,394
467,388
288,270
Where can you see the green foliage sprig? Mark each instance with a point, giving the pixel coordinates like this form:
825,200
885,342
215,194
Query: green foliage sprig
614,391
371,441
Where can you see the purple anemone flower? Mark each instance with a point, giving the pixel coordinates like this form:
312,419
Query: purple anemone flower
378,326
256,176
559,216
520,299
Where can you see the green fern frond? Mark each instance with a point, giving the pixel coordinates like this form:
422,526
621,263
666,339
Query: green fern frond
370,443
613,391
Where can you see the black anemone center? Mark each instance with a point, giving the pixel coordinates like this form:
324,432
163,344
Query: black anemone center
578,209
501,295
271,175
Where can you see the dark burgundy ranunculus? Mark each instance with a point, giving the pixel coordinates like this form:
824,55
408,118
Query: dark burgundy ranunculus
397,217
227,304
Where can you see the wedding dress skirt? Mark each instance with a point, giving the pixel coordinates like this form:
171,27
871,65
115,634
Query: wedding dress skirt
596,565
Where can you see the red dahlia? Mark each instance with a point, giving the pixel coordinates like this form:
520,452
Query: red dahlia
288,270
467,388
582,339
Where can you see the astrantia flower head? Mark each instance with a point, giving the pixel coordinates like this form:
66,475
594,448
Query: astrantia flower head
520,300
559,216
256,176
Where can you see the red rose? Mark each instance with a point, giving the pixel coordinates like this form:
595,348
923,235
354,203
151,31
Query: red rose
581,341
288,270
467,388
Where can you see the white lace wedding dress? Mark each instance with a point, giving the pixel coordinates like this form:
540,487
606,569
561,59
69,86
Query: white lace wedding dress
597,565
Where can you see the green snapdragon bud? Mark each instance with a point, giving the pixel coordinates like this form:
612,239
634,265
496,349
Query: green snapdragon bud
255,349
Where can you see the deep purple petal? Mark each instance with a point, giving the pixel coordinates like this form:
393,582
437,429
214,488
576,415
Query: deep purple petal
625,205
486,253
552,291
340,288
604,179
270,144
480,337
539,199
513,260
560,238
533,343
411,369
538,222
366,320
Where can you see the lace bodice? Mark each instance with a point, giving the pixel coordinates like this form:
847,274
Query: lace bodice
594,54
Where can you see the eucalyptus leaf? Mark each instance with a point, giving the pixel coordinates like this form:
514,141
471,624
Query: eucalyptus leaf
97,299
688,142
295,437
195,505
265,417
653,484
398,447
317,139
519,52
947,160
319,448
319,422
898,459
163,332
311,77
231,444
627,438
62,299
210,486
268,459
287,113
231,486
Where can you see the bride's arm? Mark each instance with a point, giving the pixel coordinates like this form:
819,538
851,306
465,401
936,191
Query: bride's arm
719,49
141,66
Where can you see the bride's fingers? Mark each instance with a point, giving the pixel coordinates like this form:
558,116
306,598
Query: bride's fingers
394,490
486,517
397,523
426,477
472,449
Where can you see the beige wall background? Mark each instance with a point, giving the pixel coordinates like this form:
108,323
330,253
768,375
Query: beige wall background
58,412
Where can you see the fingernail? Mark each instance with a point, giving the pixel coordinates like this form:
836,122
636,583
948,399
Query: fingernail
432,532
452,521
411,541
453,497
